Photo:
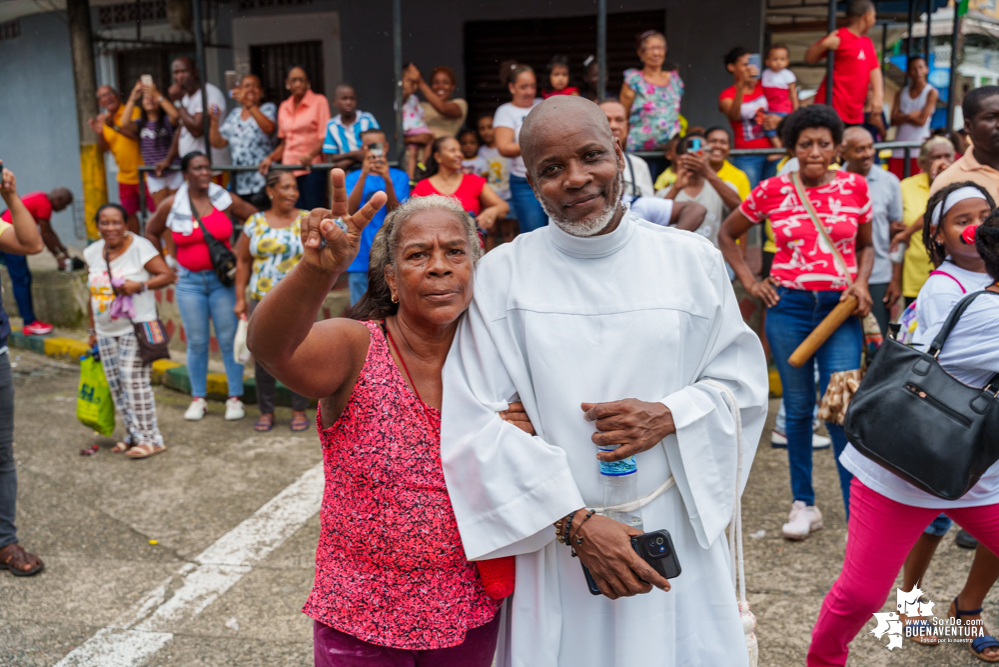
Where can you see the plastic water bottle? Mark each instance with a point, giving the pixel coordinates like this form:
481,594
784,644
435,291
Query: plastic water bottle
898,255
620,481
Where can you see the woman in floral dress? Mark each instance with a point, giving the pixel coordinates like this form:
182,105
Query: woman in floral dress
651,96
269,247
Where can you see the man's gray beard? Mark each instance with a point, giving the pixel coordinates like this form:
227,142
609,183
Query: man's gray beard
590,227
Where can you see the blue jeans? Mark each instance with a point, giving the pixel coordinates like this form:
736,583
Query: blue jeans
757,167
312,190
20,280
8,473
200,296
788,324
529,213
358,281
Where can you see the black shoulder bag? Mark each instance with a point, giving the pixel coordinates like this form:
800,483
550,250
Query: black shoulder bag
913,418
152,336
223,261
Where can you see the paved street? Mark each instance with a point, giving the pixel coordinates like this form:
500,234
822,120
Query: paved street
234,517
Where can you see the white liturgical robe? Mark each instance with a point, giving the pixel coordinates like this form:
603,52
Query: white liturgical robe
644,312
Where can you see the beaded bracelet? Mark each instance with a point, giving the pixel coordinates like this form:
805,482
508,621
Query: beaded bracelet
579,539
558,529
568,528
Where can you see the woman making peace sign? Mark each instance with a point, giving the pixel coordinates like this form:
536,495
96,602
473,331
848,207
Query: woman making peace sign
386,517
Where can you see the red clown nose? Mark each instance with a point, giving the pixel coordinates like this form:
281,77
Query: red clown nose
968,235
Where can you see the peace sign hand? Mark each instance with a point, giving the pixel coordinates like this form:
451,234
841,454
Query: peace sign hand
341,247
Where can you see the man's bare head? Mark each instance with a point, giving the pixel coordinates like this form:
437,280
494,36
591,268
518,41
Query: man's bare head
574,164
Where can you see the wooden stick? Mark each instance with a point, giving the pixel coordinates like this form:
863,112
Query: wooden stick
822,332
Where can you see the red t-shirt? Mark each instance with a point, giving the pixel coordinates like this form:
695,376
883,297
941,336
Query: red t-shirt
803,260
192,251
568,90
37,204
748,131
855,58
467,194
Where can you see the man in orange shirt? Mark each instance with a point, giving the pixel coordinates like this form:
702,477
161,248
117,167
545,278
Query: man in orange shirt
112,137
980,163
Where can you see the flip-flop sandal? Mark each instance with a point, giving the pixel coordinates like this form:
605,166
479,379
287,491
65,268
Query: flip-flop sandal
299,422
264,423
89,451
143,451
15,556
121,446
979,644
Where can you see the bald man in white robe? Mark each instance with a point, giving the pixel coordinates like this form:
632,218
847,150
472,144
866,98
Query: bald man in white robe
607,328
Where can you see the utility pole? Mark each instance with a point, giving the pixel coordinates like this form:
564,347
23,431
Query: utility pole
95,185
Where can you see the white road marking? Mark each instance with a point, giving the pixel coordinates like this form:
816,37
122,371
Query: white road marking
145,628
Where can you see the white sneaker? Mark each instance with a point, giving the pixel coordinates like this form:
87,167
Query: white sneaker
197,410
803,520
234,409
778,439
821,441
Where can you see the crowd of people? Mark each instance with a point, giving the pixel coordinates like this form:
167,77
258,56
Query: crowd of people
455,377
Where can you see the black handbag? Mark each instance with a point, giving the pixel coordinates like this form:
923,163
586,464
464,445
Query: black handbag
223,261
152,337
913,418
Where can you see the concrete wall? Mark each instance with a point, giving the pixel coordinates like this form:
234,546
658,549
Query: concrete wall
39,141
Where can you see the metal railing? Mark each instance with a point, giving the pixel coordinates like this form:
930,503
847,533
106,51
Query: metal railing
907,146
147,169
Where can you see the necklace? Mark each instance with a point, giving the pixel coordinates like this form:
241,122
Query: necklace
416,392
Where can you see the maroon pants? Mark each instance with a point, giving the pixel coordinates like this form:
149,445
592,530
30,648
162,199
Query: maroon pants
333,648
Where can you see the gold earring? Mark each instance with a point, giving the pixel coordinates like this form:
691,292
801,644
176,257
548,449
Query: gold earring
395,299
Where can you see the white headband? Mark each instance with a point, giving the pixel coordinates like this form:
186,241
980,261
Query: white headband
954,198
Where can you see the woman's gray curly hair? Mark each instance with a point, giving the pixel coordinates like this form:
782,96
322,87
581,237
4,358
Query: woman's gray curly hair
377,301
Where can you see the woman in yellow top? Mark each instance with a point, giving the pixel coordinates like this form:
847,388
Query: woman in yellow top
269,247
935,155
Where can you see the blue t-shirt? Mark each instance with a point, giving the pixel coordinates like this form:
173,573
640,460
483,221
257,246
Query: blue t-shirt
373,184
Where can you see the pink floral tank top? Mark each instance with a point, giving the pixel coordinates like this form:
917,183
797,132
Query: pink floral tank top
390,568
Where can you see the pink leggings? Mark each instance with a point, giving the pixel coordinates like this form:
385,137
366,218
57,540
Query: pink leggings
881,534
332,648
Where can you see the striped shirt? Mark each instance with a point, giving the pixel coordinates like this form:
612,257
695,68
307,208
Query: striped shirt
342,138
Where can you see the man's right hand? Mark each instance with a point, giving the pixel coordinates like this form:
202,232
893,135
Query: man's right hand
341,246
161,166
613,563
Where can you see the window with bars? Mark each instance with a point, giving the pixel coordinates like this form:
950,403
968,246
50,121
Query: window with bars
259,4
534,41
271,63
131,12
10,29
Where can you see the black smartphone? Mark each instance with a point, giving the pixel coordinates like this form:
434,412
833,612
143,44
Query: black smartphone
656,549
